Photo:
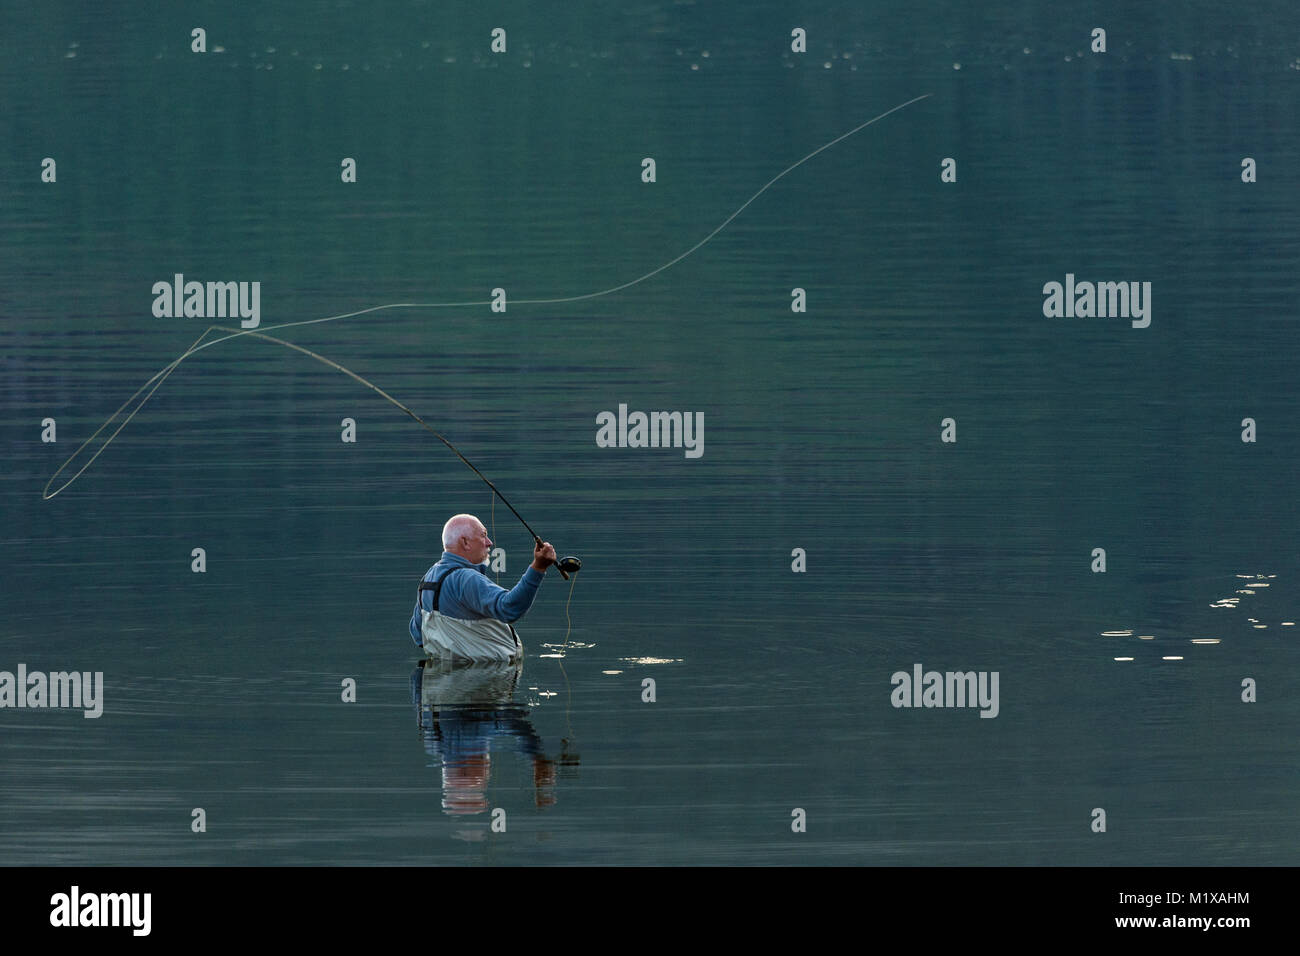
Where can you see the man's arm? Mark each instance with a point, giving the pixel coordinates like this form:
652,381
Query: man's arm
481,596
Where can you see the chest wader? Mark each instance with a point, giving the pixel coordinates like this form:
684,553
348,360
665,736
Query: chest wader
450,638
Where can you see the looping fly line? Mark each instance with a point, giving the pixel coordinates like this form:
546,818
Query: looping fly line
199,345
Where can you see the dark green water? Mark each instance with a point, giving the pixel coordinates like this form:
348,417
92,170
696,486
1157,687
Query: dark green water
222,690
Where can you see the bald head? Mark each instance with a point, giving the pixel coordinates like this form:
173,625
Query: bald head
465,535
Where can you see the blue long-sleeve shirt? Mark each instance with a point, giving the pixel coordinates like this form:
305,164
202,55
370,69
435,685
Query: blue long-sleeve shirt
471,597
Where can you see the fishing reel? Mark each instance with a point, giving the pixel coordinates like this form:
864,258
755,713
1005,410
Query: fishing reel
566,565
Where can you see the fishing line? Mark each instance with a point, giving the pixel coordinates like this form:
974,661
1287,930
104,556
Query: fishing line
568,688
564,565
199,345
568,619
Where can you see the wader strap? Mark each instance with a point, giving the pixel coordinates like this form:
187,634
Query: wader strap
434,586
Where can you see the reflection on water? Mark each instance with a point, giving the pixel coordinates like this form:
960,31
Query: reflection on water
1254,585
466,711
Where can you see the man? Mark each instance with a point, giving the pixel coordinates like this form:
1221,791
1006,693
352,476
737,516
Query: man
459,614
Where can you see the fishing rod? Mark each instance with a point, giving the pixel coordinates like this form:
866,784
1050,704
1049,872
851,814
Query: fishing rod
564,565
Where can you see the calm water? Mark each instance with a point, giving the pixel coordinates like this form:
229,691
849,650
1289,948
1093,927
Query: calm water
222,690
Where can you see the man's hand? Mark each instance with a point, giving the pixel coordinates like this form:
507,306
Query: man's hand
543,556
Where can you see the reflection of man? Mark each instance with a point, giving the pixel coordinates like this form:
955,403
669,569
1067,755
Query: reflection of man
460,614
464,784
462,712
